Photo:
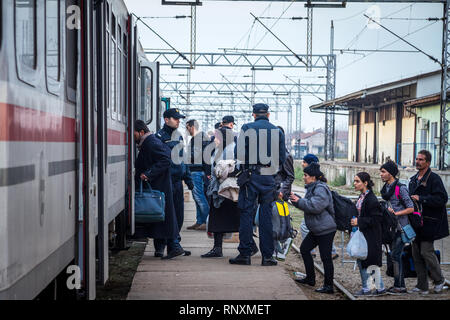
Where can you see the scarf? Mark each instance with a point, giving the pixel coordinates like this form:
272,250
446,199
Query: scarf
387,195
141,141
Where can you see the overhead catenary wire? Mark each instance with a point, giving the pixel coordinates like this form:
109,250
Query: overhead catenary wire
402,39
296,55
387,45
157,34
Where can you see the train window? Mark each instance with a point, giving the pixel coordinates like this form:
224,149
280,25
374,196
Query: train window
107,68
107,13
146,94
52,35
71,57
25,36
113,82
125,90
119,83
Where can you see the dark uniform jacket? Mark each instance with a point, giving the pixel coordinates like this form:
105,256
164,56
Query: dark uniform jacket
369,223
154,161
285,177
433,197
178,171
260,123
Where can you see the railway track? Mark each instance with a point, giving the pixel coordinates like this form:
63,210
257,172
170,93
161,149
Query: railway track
336,283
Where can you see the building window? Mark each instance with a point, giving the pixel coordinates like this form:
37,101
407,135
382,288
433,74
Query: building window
52,36
369,117
25,36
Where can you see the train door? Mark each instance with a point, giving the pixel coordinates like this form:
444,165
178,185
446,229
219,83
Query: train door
88,203
149,94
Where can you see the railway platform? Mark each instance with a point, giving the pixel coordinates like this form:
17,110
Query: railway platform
196,278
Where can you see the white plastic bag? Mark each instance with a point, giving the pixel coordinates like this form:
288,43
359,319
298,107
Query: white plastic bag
357,246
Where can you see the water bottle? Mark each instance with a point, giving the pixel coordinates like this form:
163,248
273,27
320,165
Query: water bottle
354,228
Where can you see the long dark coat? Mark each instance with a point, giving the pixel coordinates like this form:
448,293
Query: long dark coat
369,223
154,161
433,197
224,219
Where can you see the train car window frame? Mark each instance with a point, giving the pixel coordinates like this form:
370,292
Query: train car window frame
119,73
26,72
53,85
148,113
71,58
113,64
125,89
1,24
107,66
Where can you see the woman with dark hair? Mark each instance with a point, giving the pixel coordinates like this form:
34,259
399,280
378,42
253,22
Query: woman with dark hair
369,223
224,215
319,217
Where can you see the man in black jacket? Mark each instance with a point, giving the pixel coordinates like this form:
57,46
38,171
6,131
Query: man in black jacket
199,170
427,189
178,169
285,176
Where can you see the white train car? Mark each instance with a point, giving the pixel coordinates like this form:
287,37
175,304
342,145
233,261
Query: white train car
71,82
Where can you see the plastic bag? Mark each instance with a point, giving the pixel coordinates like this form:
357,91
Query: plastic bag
357,246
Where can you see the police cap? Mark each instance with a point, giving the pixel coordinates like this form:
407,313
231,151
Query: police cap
173,113
260,108
228,119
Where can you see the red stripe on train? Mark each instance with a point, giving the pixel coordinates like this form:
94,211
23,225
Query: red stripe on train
118,138
25,124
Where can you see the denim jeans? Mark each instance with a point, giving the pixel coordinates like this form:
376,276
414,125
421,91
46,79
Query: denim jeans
198,193
365,277
396,254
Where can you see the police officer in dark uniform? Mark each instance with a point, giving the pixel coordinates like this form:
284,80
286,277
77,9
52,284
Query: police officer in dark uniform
179,170
256,180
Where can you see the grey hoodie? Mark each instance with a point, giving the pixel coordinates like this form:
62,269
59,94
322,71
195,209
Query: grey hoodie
318,208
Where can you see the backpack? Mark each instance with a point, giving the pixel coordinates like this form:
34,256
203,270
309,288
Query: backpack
281,221
388,224
415,218
344,210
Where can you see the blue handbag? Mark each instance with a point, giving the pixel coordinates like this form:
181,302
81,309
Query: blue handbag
408,234
149,205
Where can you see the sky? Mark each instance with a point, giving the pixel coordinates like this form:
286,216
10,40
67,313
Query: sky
229,24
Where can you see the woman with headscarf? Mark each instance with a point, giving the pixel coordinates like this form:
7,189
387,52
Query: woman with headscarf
319,218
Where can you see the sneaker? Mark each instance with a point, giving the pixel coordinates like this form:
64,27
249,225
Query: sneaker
362,292
201,227
377,292
438,287
174,253
193,227
396,291
419,291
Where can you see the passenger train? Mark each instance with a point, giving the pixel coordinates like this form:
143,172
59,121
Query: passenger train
73,78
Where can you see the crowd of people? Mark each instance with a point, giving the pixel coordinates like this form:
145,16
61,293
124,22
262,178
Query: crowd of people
230,176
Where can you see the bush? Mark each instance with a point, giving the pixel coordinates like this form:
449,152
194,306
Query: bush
339,181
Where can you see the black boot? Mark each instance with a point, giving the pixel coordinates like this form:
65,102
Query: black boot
325,289
269,261
244,260
215,252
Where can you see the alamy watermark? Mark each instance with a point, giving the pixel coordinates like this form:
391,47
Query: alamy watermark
252,147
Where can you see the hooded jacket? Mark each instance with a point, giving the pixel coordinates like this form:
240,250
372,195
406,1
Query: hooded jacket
318,208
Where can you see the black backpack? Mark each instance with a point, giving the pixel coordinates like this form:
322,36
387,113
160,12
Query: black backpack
344,210
388,224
